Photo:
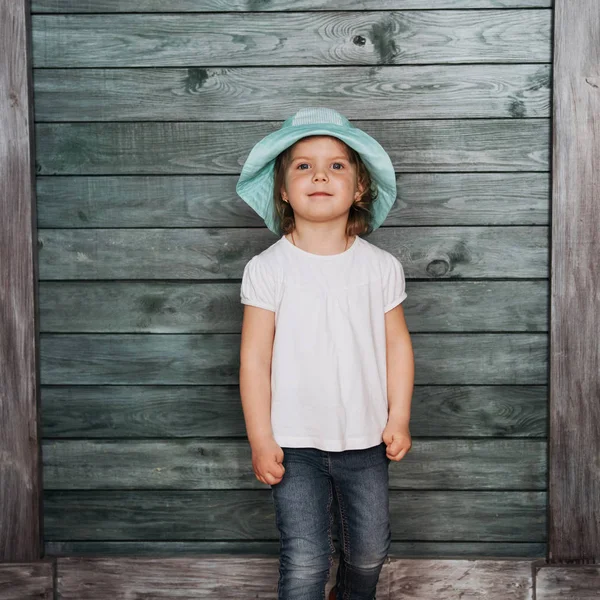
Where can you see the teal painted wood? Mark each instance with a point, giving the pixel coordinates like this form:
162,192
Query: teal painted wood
426,252
172,411
211,200
299,38
111,177
408,549
207,359
156,515
510,464
171,307
100,6
465,145
199,94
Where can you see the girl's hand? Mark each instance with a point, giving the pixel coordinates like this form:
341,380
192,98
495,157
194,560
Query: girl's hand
267,459
397,439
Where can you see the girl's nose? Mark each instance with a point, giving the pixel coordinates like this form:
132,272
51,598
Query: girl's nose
319,175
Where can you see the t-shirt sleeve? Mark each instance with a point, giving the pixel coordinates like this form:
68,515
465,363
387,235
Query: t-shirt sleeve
394,285
258,285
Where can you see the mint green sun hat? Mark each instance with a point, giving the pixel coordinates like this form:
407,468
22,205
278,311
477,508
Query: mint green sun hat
255,185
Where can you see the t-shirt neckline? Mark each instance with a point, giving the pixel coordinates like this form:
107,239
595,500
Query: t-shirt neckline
312,255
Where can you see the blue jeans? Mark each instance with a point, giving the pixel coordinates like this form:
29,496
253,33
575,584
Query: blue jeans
358,481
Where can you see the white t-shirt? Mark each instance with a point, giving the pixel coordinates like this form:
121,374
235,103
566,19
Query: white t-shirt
328,373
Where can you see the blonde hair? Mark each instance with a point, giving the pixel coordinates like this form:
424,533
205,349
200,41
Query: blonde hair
359,217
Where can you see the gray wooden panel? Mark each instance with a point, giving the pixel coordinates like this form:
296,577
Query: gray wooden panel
199,94
227,464
479,358
26,580
167,578
172,307
101,6
467,580
135,411
425,252
20,493
298,38
211,200
244,547
574,509
256,577
221,148
576,582
248,515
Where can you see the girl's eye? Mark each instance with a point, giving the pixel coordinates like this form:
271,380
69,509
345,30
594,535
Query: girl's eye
301,165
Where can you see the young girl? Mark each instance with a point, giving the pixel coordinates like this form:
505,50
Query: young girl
326,365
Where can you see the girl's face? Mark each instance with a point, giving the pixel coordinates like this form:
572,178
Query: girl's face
320,182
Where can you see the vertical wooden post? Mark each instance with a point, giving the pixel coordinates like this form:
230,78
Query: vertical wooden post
574,440
20,478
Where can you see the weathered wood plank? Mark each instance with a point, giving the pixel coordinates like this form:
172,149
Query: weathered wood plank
468,580
135,411
509,358
20,468
221,148
574,507
408,549
200,94
166,578
106,6
256,577
576,582
425,252
26,580
248,515
211,200
172,307
227,464
288,39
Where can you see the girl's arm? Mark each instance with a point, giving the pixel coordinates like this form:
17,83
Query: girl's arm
400,366
256,351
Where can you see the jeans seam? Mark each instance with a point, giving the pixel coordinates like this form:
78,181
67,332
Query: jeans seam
345,537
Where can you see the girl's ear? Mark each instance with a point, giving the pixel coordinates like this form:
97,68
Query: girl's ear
359,191
283,194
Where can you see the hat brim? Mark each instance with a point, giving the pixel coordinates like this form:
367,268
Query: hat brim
255,185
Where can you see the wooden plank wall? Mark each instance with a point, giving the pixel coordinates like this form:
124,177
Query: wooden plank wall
143,121
574,501
20,461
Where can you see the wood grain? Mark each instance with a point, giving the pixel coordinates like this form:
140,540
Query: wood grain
408,549
20,493
205,515
238,94
295,38
101,6
227,464
576,582
435,145
212,359
167,411
65,201
174,307
27,580
434,253
574,509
